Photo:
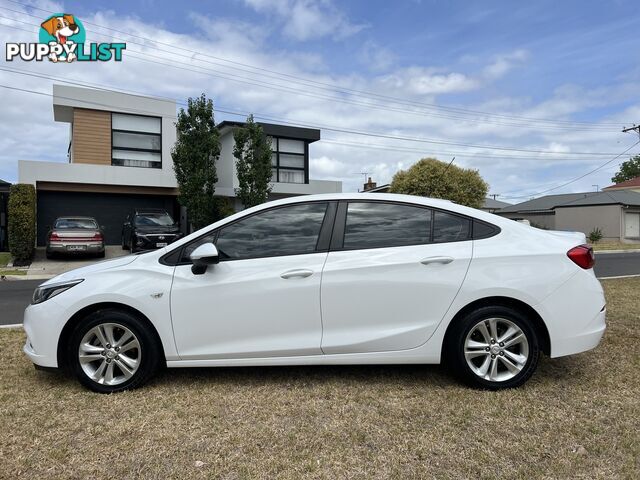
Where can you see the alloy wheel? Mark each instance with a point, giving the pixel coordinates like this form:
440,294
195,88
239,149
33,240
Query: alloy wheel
110,354
496,349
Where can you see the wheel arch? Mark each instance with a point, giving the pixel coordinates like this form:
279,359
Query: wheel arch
500,301
71,324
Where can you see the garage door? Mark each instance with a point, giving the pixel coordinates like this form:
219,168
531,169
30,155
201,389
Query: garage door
632,225
109,209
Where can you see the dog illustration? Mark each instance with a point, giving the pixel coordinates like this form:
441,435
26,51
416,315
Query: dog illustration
61,28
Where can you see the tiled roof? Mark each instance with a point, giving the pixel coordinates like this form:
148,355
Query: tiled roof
634,182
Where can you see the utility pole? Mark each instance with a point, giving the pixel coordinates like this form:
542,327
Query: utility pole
635,128
597,187
494,195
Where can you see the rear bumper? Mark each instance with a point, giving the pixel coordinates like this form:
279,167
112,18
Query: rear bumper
587,339
575,314
75,247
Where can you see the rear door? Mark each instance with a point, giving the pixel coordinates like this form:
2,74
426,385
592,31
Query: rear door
393,271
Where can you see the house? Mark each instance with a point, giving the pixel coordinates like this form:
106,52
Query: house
616,213
632,184
119,158
490,205
4,201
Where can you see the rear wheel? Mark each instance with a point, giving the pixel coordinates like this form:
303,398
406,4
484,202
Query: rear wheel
124,244
493,348
111,351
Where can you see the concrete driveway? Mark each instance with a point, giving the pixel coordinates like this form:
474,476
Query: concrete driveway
43,266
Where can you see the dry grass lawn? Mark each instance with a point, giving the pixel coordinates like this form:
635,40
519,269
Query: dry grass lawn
578,417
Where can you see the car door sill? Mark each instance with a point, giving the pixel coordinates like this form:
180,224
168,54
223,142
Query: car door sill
415,355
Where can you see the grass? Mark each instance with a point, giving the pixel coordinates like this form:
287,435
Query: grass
578,417
4,260
12,272
615,246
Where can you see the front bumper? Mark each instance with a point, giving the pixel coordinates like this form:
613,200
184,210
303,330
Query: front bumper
43,324
152,241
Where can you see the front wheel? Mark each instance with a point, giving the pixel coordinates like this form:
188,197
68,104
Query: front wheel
111,351
494,348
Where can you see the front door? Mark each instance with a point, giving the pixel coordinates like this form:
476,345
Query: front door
393,276
263,298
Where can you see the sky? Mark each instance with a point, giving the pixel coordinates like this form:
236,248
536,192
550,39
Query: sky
534,96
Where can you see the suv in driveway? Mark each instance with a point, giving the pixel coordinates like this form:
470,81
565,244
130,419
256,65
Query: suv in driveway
148,229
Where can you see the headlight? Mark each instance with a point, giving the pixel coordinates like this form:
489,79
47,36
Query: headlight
45,292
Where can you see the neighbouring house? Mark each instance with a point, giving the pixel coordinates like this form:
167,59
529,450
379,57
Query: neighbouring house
119,158
490,205
616,213
632,184
4,215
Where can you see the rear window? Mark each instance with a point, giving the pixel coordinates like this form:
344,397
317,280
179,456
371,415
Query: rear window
450,228
153,220
376,225
75,223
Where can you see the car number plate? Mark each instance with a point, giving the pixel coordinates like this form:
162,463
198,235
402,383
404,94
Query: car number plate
162,244
76,247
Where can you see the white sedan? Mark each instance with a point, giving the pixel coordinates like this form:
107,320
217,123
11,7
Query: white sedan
328,279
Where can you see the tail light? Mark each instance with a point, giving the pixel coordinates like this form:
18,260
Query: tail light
53,236
582,256
97,236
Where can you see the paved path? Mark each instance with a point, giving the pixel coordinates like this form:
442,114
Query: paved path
617,264
16,295
14,298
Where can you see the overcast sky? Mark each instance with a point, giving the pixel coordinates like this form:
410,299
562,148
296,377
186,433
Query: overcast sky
521,92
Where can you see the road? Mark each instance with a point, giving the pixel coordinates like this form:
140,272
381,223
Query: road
16,295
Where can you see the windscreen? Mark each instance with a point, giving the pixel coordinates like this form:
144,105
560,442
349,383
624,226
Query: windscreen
75,223
153,220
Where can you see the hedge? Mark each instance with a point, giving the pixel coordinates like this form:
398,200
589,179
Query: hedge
22,222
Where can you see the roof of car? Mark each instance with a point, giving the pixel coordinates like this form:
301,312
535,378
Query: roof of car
75,217
142,211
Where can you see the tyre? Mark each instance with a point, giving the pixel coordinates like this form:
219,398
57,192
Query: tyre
50,255
124,244
493,348
101,254
112,350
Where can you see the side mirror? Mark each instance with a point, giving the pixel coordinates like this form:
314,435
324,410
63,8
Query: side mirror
102,227
203,256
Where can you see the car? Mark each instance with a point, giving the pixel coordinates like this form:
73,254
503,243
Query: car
148,229
75,235
328,279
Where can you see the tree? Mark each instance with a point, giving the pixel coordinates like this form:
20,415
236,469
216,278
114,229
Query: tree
194,160
432,178
253,163
628,170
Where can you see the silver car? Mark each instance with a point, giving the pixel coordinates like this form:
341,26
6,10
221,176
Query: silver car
75,235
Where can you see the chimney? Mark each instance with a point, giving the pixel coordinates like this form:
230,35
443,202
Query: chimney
369,185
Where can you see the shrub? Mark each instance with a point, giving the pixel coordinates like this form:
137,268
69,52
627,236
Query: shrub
22,222
595,235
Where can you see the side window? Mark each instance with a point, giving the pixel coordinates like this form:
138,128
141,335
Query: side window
377,224
450,228
281,231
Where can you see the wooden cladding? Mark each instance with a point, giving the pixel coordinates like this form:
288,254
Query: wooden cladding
91,137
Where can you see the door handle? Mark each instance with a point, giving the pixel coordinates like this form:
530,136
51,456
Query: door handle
300,273
442,260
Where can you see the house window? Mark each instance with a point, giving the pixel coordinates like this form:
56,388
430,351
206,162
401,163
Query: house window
289,161
136,141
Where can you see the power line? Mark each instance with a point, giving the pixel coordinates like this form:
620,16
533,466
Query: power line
512,197
278,87
541,123
372,134
581,176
